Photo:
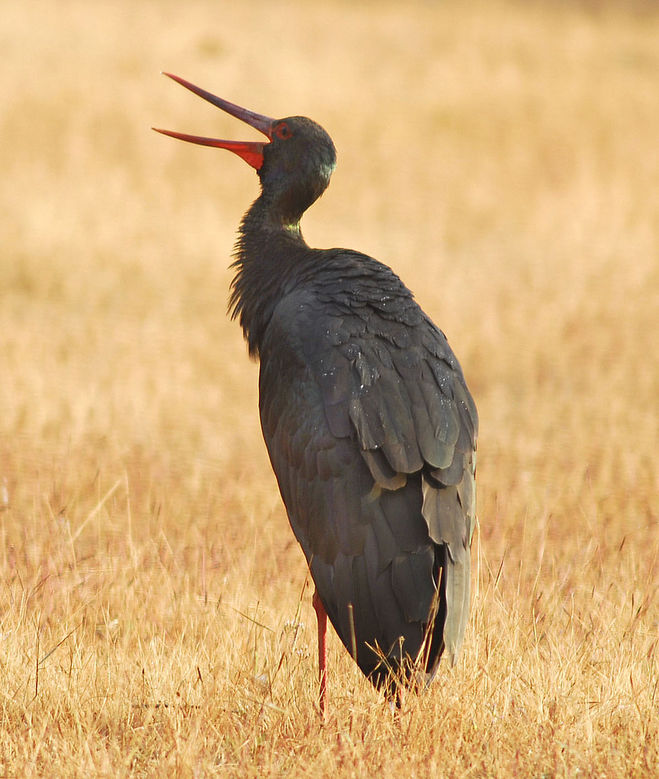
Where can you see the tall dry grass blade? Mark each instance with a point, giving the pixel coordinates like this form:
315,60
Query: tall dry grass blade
95,510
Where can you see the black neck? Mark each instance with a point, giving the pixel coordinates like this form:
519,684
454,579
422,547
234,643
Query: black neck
268,253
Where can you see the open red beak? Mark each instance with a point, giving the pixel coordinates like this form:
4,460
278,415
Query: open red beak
250,151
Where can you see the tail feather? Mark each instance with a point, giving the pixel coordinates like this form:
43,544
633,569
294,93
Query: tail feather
458,585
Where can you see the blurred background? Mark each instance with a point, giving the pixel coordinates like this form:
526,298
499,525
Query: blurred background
501,156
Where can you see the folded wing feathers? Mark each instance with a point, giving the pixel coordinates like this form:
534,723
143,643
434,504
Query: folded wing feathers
416,415
397,389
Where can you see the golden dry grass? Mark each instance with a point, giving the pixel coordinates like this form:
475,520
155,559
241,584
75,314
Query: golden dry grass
503,158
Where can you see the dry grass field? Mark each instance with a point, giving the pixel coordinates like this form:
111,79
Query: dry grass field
155,615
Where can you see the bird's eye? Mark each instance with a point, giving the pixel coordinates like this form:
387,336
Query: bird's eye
282,131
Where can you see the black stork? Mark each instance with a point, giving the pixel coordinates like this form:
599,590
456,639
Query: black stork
366,416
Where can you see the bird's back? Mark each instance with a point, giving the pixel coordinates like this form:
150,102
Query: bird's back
372,432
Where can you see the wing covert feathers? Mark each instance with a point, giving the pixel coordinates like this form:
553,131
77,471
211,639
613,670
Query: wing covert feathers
372,434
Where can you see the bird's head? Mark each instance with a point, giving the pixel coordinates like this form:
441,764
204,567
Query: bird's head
295,163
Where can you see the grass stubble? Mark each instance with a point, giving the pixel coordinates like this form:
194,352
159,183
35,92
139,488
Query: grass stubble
155,612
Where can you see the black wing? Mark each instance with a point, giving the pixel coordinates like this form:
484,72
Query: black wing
371,432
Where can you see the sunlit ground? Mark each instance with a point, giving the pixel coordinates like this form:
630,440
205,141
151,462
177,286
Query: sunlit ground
155,614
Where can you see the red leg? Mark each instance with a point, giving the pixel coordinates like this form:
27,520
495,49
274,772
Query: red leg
321,616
